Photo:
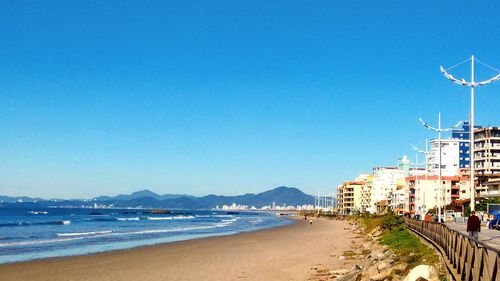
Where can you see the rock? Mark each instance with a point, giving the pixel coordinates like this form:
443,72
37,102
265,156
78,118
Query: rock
422,271
385,248
338,271
355,268
381,276
356,276
382,265
377,233
341,257
396,277
371,271
380,256
401,267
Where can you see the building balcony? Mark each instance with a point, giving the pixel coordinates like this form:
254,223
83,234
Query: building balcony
491,193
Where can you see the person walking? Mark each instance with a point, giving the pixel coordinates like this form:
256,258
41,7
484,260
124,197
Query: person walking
473,225
427,217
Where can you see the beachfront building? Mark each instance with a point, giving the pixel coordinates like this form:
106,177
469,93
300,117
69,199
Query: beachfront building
417,173
349,197
463,136
366,193
425,191
450,157
487,161
398,199
464,184
384,183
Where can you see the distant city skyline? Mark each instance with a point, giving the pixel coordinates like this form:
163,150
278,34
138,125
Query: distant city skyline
106,98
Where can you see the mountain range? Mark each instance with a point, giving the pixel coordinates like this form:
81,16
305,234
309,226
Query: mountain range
147,199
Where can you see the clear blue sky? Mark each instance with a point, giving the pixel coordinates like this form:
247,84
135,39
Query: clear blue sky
228,97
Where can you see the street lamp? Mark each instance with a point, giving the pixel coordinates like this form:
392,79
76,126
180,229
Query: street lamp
439,130
472,84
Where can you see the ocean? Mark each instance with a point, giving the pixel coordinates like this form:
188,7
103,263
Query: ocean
28,234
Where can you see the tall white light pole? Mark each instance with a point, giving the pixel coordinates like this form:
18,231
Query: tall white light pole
472,84
439,130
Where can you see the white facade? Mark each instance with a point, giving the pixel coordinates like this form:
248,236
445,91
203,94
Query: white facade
450,157
398,200
427,191
384,183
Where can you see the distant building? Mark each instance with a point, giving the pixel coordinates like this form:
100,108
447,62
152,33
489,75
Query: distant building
463,135
464,175
349,197
424,192
487,161
366,191
384,183
404,165
450,159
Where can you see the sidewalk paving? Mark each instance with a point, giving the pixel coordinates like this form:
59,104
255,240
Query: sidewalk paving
488,236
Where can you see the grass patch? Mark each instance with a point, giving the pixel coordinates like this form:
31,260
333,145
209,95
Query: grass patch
395,235
372,222
407,246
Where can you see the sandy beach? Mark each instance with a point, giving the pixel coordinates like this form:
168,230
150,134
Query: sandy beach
293,252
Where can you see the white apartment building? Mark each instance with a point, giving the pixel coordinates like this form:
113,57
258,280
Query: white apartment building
384,182
425,192
450,157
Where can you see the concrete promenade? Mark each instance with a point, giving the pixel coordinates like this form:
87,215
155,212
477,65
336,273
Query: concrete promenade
488,236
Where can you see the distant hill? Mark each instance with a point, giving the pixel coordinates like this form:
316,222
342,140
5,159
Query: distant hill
147,199
139,194
10,199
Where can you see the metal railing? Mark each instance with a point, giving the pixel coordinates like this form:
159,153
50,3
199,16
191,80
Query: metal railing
466,258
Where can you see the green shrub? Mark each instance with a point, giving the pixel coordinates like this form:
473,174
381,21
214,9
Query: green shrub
392,221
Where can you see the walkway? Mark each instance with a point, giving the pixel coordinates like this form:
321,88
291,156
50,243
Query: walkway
488,236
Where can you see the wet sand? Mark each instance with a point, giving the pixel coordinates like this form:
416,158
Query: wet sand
293,252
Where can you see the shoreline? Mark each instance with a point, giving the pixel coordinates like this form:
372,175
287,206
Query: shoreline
292,219
171,234
288,252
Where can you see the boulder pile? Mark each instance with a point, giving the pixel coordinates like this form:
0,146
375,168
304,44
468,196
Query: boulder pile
378,262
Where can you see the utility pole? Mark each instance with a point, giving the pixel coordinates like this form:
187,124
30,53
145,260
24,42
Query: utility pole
439,130
472,84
